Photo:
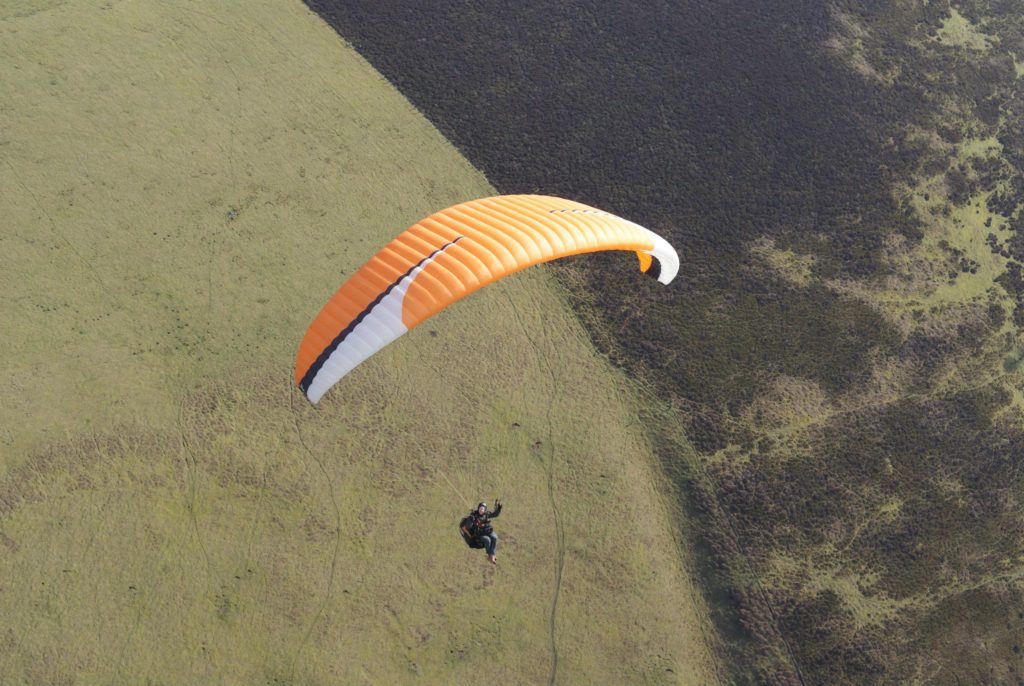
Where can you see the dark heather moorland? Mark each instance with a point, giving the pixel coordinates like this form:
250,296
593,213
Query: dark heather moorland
844,181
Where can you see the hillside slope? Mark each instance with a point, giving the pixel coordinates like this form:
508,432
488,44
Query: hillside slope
844,346
183,186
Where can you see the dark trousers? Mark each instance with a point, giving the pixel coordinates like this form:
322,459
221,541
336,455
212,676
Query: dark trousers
490,542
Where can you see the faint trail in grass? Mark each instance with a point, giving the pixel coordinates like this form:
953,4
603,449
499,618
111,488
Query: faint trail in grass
128,641
713,413
212,253
292,391
559,526
232,143
743,554
761,592
191,467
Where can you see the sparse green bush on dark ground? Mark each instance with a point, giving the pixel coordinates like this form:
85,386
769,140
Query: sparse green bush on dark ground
719,124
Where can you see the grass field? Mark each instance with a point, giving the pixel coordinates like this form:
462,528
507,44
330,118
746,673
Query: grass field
182,186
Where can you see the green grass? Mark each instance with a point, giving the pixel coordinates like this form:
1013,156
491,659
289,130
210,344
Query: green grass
958,30
866,606
184,186
796,269
919,287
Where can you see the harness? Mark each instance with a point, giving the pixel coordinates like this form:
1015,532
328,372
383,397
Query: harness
472,527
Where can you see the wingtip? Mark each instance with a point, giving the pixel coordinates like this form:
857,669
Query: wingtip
668,260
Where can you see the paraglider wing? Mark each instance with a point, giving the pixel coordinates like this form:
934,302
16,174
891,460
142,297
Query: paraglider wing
449,255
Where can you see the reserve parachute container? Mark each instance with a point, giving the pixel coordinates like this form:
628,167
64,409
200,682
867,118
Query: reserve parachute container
447,256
